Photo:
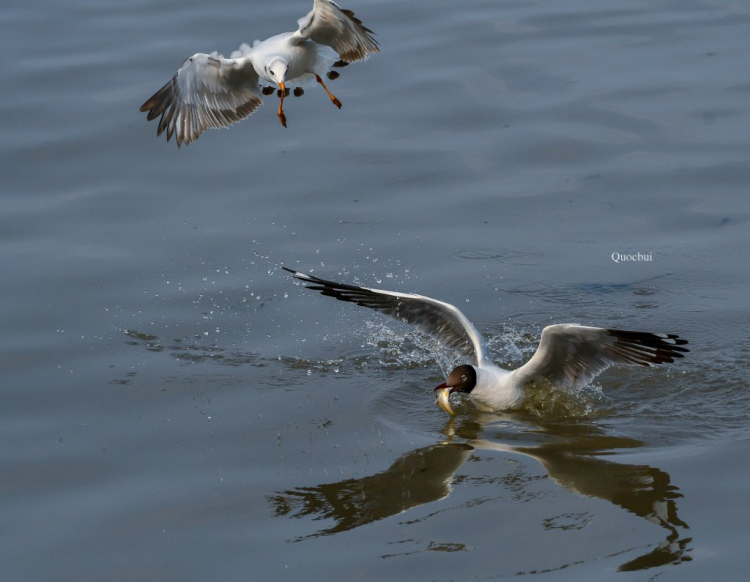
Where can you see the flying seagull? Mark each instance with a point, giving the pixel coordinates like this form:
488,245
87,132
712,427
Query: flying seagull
569,354
211,91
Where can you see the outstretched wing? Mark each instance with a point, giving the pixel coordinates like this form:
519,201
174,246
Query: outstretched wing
573,355
331,25
440,320
208,91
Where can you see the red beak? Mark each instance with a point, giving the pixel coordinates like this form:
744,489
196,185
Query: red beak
439,387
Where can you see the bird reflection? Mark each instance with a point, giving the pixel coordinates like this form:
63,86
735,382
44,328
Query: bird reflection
570,454
419,477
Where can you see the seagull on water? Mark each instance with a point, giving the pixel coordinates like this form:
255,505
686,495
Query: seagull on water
569,354
211,91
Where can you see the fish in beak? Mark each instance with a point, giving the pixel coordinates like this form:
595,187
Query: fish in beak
442,398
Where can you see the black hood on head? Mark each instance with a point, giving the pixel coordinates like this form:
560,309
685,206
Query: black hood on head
462,379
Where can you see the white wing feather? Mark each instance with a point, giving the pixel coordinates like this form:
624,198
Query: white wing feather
440,320
329,24
573,355
208,91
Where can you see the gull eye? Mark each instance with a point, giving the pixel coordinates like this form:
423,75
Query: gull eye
463,378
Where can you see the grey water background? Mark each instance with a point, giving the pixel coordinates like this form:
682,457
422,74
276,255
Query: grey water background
175,407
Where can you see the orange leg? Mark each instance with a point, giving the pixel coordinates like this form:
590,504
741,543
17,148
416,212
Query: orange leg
336,102
282,117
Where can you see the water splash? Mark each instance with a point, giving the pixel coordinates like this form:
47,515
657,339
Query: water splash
404,348
545,400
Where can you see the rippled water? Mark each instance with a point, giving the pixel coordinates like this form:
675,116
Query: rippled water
176,407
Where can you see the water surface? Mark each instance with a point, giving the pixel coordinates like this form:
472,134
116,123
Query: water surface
175,407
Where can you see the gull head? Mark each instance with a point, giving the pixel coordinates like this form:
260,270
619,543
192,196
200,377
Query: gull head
277,70
461,379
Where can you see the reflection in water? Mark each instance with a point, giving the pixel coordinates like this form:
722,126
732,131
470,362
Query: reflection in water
570,460
419,477
570,457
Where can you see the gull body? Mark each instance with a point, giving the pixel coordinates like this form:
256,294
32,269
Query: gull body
210,91
279,60
495,388
568,354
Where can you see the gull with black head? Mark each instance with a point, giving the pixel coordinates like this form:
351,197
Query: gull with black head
209,91
569,354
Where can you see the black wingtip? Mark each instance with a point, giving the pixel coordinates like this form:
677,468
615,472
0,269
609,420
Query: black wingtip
299,275
654,348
